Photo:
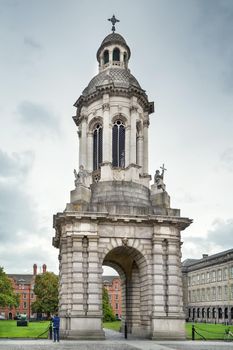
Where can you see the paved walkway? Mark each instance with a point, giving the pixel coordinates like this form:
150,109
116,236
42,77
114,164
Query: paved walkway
114,341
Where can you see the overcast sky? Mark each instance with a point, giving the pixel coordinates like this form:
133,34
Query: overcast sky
182,55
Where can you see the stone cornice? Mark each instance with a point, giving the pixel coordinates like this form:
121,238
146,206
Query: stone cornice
112,91
210,261
68,216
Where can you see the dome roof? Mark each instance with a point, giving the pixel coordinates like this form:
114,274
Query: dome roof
113,38
117,76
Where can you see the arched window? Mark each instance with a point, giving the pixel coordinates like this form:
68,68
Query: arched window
118,144
97,146
106,56
116,54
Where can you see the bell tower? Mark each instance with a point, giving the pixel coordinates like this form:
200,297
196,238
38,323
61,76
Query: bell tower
115,217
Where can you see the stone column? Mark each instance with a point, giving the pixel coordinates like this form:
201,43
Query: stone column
65,290
175,291
133,133
83,143
145,143
159,279
167,314
140,151
89,151
107,147
127,145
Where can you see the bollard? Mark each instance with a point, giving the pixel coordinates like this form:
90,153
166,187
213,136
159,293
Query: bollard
193,332
126,330
50,331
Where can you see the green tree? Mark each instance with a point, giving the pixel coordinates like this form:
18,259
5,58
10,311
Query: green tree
108,314
7,295
46,291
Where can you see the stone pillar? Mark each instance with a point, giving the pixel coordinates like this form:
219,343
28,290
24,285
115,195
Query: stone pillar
140,151
81,289
127,145
107,147
65,288
133,133
175,291
167,314
89,151
145,144
83,143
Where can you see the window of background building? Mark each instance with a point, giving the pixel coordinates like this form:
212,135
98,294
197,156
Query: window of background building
208,294
198,279
203,277
198,295
189,281
189,297
207,277
225,273
232,291
203,294
25,305
213,276
116,306
213,293
231,272
219,275
219,293
24,295
226,292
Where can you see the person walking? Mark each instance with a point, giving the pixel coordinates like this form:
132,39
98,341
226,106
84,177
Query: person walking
56,327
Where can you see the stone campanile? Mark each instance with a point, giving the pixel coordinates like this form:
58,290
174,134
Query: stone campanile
114,217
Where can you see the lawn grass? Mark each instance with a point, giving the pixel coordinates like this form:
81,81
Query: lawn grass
115,326
9,329
208,330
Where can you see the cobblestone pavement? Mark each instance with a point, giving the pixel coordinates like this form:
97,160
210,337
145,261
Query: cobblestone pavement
114,341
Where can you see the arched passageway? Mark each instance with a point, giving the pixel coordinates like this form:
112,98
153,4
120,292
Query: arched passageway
136,284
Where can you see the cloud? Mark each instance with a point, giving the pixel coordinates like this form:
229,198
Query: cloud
15,165
31,43
16,213
227,158
36,116
219,238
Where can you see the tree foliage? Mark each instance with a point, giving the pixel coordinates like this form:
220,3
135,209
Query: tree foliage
7,295
108,314
46,290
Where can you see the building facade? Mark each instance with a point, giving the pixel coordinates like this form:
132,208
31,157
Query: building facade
23,285
113,286
114,217
208,288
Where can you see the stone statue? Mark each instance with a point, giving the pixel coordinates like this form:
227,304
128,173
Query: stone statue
80,177
158,179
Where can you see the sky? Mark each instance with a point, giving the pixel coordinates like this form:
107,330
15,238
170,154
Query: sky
181,54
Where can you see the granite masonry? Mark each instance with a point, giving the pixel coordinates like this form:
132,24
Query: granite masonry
114,217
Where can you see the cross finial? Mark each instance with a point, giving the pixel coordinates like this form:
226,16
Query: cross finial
114,20
163,169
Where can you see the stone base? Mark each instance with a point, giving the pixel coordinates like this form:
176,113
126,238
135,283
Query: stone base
160,199
168,329
82,328
81,194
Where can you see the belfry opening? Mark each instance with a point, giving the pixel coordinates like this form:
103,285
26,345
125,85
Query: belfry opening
115,216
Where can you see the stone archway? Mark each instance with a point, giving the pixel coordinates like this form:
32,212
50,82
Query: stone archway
136,288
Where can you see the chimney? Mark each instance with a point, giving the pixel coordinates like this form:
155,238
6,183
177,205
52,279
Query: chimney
44,267
34,269
204,256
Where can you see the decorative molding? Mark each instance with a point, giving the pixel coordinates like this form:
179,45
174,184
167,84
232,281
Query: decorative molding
106,107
